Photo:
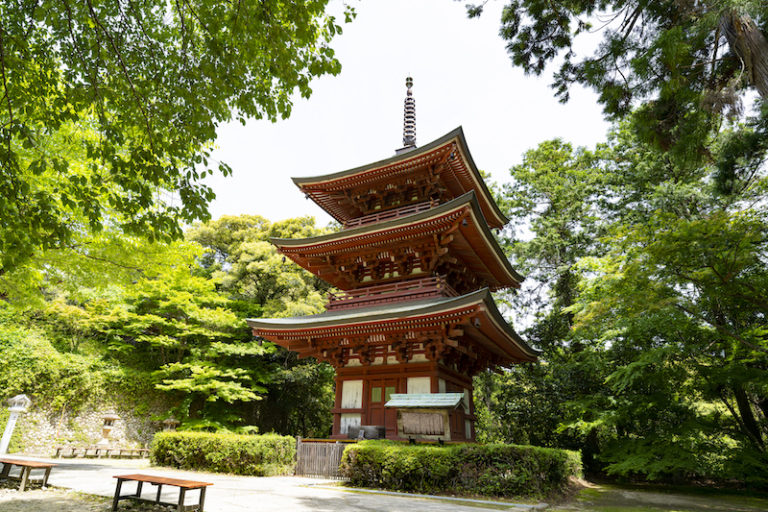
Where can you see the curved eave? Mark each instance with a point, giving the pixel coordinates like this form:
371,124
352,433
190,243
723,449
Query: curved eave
503,328
500,334
399,310
507,277
493,245
495,218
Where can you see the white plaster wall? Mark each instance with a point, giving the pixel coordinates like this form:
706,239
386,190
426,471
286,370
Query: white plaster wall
349,420
352,395
419,385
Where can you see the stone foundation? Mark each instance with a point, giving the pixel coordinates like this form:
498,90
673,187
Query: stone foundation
41,430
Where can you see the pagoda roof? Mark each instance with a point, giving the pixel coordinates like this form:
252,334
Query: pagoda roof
460,176
472,241
492,331
425,400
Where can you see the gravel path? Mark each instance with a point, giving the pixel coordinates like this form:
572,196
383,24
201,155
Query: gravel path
230,493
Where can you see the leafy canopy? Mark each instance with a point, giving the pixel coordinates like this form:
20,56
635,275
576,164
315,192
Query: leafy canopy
260,282
108,109
651,316
677,66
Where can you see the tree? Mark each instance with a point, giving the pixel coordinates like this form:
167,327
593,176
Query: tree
92,264
34,364
553,202
109,108
249,269
166,321
679,66
176,330
259,282
651,312
678,299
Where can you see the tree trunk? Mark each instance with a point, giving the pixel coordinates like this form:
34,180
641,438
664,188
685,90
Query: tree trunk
748,417
762,403
750,45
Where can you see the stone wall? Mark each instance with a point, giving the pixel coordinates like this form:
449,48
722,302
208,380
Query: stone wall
41,430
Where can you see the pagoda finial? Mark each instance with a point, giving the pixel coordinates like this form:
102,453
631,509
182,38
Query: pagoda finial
409,119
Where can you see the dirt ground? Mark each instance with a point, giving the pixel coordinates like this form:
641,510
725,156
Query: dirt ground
593,498
53,499
615,498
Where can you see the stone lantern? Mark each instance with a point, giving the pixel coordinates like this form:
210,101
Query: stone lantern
170,424
109,422
16,406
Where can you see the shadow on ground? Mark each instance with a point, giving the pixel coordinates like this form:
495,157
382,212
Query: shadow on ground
44,501
62,500
352,500
606,498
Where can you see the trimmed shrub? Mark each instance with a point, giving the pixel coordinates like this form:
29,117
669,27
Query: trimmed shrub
474,469
264,455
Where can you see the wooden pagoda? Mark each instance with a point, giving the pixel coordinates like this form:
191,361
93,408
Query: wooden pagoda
415,263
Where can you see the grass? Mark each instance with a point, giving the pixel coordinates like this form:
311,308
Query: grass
636,498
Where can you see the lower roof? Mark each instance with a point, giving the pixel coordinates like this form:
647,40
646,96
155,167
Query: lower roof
492,328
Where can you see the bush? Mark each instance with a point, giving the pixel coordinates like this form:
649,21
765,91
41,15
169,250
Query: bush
264,455
475,469
31,364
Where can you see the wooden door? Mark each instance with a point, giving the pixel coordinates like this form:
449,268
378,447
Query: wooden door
380,391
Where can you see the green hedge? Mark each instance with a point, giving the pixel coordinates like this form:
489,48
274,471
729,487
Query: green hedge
473,469
263,455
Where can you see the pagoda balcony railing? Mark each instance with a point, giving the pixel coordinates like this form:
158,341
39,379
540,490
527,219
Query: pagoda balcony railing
394,213
392,292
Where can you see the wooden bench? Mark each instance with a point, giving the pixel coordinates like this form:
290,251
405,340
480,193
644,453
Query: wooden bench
160,481
26,468
97,451
131,452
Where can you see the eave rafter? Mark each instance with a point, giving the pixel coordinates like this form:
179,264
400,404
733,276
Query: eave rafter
371,332
441,338
450,240
412,184
385,255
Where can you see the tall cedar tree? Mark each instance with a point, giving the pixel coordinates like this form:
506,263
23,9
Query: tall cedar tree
678,67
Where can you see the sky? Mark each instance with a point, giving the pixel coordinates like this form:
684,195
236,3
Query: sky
462,77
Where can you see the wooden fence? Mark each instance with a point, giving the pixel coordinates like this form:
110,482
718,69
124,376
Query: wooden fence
319,457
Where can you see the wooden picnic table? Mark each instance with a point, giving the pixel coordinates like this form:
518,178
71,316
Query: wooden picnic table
26,468
160,481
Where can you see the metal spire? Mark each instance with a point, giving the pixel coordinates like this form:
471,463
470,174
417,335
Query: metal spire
409,118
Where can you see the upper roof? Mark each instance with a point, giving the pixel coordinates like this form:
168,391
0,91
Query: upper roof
492,331
473,242
458,176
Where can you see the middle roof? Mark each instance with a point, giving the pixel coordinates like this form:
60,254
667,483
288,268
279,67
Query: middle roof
455,231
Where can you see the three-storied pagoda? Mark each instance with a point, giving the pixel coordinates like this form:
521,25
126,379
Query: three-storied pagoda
416,262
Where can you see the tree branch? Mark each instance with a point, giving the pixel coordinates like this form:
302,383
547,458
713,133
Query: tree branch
722,329
124,68
76,249
7,95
